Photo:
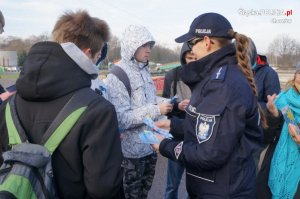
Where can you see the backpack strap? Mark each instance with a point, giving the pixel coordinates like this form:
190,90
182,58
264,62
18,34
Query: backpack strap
61,125
122,76
66,118
16,133
175,81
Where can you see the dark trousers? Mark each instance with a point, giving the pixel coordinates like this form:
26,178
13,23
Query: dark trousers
174,174
138,176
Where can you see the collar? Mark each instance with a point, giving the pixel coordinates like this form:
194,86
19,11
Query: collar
196,71
83,61
134,64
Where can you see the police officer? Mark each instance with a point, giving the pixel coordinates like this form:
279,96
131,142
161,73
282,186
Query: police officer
222,128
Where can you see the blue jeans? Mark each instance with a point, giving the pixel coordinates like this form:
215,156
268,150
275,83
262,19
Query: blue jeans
174,175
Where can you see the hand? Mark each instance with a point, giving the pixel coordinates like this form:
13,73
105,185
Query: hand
165,108
271,106
156,146
294,134
183,104
164,124
4,96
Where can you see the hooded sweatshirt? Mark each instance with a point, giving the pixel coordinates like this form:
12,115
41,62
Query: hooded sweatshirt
266,80
90,155
132,110
182,90
173,79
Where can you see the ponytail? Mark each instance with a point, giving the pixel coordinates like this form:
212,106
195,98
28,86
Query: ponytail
242,47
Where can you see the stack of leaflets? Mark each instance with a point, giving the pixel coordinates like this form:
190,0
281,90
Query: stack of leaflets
160,100
149,137
289,117
150,123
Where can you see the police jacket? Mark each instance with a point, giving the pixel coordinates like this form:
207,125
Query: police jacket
87,163
221,129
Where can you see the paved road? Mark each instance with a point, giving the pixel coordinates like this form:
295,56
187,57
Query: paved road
159,183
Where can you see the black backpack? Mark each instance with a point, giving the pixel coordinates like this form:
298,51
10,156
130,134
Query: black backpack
122,76
26,172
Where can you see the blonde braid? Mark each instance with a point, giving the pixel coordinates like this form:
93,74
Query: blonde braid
242,47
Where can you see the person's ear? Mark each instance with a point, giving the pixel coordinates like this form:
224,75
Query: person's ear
87,52
207,43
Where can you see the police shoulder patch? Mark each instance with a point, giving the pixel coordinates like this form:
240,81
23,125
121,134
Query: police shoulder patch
219,73
178,150
205,127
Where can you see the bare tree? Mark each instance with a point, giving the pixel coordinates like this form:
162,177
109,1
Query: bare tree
162,54
159,53
285,50
22,46
114,50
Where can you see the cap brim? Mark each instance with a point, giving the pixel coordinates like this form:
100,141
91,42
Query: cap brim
184,38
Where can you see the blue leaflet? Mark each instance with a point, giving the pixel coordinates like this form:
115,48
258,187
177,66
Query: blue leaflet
289,117
150,123
148,137
173,99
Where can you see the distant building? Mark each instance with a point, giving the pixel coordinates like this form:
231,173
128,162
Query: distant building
8,58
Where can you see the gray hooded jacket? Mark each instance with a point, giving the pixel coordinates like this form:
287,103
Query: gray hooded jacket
132,111
173,79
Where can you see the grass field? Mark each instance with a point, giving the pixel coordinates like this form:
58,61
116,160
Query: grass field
10,76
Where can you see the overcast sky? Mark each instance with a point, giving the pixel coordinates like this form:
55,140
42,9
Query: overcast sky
166,19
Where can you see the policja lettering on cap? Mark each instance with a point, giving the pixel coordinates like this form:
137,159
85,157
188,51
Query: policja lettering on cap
208,24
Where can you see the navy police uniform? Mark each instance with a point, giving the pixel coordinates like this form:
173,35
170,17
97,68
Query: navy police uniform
221,130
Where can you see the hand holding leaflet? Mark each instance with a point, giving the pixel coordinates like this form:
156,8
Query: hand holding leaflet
289,117
173,99
150,123
148,137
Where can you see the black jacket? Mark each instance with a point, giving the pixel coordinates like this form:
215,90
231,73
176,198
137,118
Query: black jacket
267,82
271,137
221,129
173,85
87,162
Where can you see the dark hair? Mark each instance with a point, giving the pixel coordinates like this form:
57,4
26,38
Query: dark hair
242,47
82,30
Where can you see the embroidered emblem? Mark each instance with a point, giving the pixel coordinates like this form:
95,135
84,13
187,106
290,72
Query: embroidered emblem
191,108
178,149
219,73
203,130
205,127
